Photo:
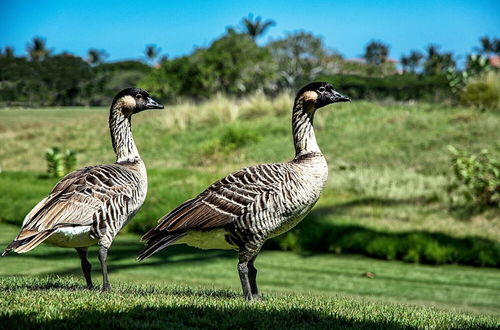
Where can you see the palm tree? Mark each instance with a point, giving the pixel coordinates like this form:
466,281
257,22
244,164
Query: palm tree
152,52
7,52
37,50
405,62
477,64
489,46
432,51
486,46
414,60
496,46
376,52
96,56
438,62
256,28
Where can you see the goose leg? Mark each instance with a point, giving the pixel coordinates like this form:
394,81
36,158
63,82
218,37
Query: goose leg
245,283
248,274
86,266
252,276
103,258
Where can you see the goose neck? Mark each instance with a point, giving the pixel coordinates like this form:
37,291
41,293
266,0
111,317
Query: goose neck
304,138
120,126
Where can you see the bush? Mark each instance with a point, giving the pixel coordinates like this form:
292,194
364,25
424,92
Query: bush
64,80
476,178
232,65
60,163
479,95
402,87
232,138
414,246
58,80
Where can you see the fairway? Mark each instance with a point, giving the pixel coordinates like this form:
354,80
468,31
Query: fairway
188,287
388,185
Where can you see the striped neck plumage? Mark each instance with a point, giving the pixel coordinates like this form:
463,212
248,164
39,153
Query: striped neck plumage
302,128
120,127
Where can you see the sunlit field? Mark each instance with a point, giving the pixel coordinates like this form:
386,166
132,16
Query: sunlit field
299,290
389,173
389,164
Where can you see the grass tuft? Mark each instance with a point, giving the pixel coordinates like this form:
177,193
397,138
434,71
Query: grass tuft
63,303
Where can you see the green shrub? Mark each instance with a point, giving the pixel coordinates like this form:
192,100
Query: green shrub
435,253
382,248
290,242
412,256
477,65
69,160
232,138
476,178
60,163
479,95
236,137
398,87
414,246
232,65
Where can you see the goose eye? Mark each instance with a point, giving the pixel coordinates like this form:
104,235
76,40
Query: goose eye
138,96
321,89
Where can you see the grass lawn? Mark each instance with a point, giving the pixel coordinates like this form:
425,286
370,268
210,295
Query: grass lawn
187,287
389,171
389,166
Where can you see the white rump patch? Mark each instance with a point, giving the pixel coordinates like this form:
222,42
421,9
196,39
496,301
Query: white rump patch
71,237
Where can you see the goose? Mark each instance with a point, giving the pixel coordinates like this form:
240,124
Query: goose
92,204
249,206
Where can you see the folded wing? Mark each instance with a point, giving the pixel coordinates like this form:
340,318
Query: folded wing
81,198
220,204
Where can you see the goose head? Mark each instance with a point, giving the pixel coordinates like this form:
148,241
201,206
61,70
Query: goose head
134,100
319,94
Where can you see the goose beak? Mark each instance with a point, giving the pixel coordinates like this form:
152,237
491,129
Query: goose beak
152,104
337,97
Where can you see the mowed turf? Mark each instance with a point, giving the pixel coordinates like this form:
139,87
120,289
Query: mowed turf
389,165
184,287
389,168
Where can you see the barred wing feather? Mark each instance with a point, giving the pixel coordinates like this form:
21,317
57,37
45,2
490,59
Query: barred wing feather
220,204
79,199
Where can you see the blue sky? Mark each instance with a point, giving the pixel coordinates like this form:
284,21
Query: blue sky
123,28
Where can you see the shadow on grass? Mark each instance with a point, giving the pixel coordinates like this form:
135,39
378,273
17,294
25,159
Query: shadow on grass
212,293
369,201
466,212
227,310
54,282
206,317
44,285
315,234
128,250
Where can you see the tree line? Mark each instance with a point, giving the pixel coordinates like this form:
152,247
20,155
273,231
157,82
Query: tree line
233,64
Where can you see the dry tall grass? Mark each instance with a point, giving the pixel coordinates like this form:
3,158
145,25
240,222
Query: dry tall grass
221,109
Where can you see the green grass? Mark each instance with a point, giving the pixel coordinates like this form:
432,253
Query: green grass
389,165
188,287
58,303
389,168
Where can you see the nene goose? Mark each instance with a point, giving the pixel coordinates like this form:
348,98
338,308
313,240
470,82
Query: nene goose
92,204
244,209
